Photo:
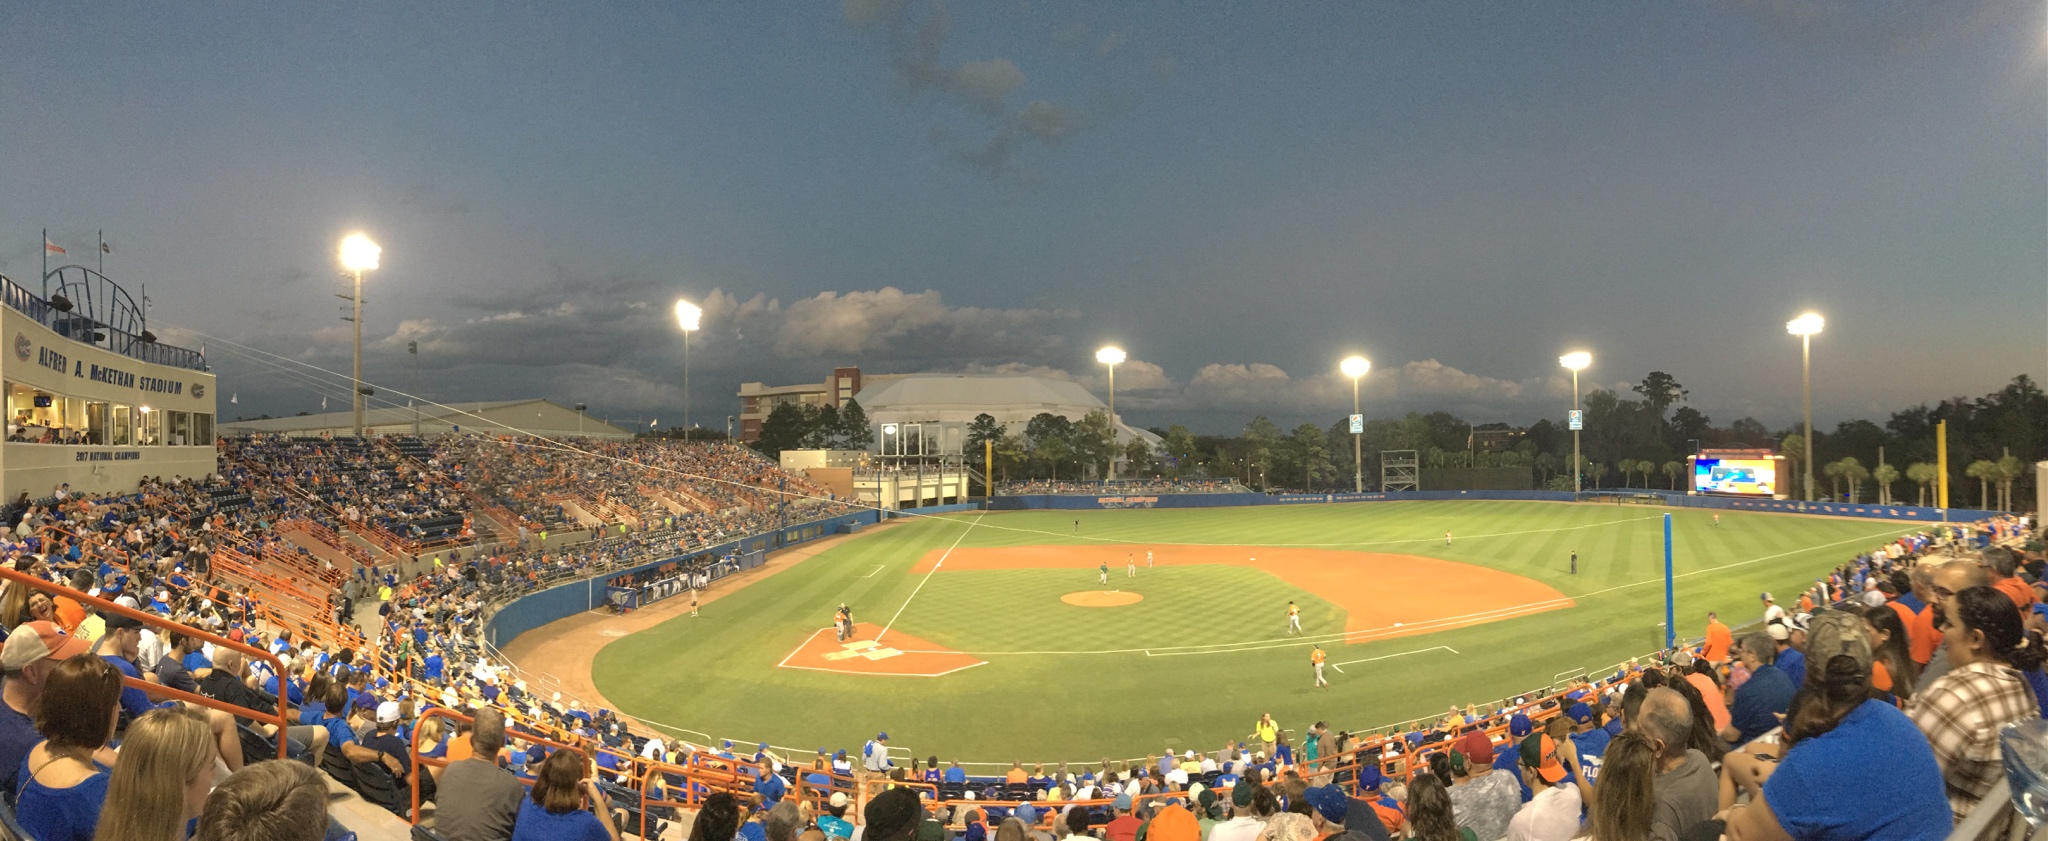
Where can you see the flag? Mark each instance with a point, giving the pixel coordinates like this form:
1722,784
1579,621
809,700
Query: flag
234,398
105,248
51,247
323,404
650,424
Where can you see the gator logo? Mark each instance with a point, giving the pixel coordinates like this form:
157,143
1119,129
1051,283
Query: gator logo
198,390
23,348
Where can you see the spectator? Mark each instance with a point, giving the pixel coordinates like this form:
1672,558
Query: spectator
2003,566
1961,712
66,785
892,815
161,782
1124,826
1077,825
1553,814
1944,581
1250,805
1288,826
1686,789
32,652
1707,682
1430,814
1624,804
1841,746
562,788
1892,669
1174,823
1764,697
1488,799
268,801
228,681
1718,641
1589,740
478,800
1789,638
1330,808
1703,737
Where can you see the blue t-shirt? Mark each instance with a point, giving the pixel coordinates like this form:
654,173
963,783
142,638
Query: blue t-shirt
61,814
433,667
956,775
18,736
133,701
338,732
1592,747
1510,761
1793,664
537,824
1768,691
1875,759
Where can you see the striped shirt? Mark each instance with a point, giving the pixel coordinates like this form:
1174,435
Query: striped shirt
1961,713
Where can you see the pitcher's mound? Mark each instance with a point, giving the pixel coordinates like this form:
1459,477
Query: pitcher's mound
1097,598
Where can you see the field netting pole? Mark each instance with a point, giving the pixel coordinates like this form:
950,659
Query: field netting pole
1670,619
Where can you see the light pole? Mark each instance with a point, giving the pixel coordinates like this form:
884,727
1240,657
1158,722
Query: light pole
688,317
414,349
1355,367
1804,327
1110,356
1576,361
358,255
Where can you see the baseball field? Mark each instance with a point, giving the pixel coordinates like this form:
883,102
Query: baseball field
992,637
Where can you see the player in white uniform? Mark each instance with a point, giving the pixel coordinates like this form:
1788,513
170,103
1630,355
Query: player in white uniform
1293,618
1130,565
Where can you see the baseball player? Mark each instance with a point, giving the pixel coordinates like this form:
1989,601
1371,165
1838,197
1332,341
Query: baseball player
1148,559
1293,618
1447,537
1316,656
1105,572
693,601
1130,565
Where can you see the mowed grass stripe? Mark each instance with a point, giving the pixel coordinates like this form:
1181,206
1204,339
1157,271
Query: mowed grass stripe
716,673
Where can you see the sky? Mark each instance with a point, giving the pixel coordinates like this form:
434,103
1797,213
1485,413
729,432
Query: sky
1239,195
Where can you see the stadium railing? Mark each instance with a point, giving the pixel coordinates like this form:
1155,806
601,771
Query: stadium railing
159,692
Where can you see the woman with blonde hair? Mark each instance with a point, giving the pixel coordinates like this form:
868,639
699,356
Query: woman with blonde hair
161,782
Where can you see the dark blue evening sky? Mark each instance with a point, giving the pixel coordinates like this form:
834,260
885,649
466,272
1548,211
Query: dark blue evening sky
1238,194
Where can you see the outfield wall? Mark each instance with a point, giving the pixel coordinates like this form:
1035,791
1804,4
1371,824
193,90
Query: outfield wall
1079,502
565,600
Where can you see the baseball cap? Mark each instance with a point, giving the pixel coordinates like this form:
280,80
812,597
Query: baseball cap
387,712
1241,794
1368,778
1457,762
121,622
1538,752
1579,712
1520,725
1478,749
882,737
1834,633
1328,800
32,641
838,800
1778,632
1027,813
1122,801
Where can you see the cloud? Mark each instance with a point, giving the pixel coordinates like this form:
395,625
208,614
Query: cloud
978,125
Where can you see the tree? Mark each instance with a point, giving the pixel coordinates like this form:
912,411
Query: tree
1009,451
984,430
1309,451
1688,423
1627,467
1094,442
854,431
1855,474
1181,456
1138,457
1673,470
1924,474
1659,391
2008,469
1050,438
1834,474
783,430
1596,471
824,429
1983,470
1794,450
1885,475
1261,438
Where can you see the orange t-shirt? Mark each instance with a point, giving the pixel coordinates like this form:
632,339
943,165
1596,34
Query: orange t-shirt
1719,639
1922,635
1880,677
2022,595
459,748
69,613
1717,706
1016,775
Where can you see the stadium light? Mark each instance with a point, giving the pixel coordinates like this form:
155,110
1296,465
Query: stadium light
1804,327
1110,355
1577,361
689,317
358,254
1356,367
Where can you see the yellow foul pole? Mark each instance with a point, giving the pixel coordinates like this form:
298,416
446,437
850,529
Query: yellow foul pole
1941,463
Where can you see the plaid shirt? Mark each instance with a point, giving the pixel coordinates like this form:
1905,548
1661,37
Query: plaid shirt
1961,714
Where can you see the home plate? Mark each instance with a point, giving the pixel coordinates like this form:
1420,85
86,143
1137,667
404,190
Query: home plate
868,649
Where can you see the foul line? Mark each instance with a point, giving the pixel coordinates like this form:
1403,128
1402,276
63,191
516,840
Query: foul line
878,568
927,577
1340,666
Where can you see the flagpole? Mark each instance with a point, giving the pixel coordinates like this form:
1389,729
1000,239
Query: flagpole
46,265
103,255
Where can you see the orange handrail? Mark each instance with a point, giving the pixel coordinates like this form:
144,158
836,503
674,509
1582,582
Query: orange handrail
106,607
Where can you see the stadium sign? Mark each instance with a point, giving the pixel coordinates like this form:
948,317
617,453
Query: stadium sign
1357,424
1578,420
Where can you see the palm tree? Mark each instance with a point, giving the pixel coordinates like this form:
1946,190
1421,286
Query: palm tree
1833,470
1983,470
2010,469
1673,470
1596,471
1857,474
1627,467
1885,475
1924,474
1794,450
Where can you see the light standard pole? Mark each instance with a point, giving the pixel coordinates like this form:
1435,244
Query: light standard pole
1576,361
1110,356
358,255
1804,327
414,349
688,317
1355,367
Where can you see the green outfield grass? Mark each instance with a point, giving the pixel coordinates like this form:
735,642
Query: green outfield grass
716,674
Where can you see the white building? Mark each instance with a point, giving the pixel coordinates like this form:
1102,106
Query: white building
497,417
938,409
